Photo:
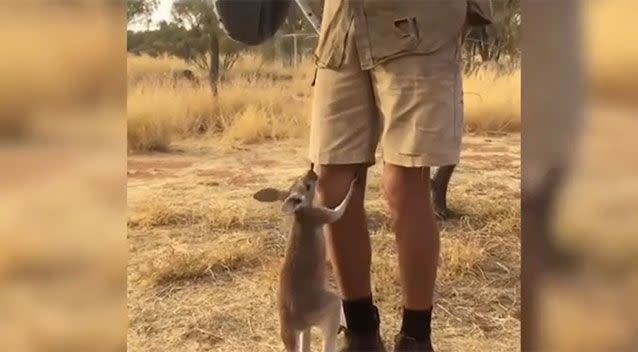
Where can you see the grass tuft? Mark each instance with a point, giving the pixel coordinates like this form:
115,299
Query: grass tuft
216,263
260,101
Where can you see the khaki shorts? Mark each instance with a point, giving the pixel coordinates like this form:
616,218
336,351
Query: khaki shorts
412,105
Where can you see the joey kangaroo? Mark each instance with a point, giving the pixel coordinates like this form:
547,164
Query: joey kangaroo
304,300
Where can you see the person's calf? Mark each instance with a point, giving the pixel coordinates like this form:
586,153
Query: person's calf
348,241
350,231
408,194
350,254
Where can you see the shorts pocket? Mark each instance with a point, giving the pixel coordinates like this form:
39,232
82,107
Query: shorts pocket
436,118
407,32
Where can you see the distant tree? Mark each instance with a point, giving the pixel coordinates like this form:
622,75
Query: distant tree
194,36
491,43
140,9
204,42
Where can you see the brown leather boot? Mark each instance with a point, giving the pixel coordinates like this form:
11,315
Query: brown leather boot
404,343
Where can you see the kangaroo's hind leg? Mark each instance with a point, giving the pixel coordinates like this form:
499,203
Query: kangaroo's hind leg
330,321
290,338
304,341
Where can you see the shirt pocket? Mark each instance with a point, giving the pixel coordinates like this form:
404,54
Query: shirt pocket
406,31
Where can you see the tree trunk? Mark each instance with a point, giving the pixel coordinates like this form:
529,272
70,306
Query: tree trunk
485,45
213,71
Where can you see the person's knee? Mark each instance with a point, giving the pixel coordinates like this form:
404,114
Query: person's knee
335,180
405,187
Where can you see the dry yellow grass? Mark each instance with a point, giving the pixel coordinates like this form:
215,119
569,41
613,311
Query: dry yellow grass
62,84
205,256
63,287
492,101
226,216
147,127
248,109
144,67
37,77
261,100
226,257
218,290
207,262
609,53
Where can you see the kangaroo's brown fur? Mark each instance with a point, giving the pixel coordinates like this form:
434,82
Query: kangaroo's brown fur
304,301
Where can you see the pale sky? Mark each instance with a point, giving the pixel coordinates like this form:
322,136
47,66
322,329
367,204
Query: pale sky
163,13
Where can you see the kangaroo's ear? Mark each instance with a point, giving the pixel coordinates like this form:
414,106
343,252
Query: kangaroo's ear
270,195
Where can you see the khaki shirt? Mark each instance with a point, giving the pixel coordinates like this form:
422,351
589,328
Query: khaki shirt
386,29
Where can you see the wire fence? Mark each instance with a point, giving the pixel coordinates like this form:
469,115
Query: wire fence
291,48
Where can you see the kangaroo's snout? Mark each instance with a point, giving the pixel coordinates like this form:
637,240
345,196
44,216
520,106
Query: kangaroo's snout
300,195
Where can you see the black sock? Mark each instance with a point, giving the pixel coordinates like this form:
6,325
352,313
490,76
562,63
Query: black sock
416,323
361,315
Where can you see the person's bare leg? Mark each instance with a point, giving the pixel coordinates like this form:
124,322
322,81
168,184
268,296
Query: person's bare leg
407,191
350,254
348,239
